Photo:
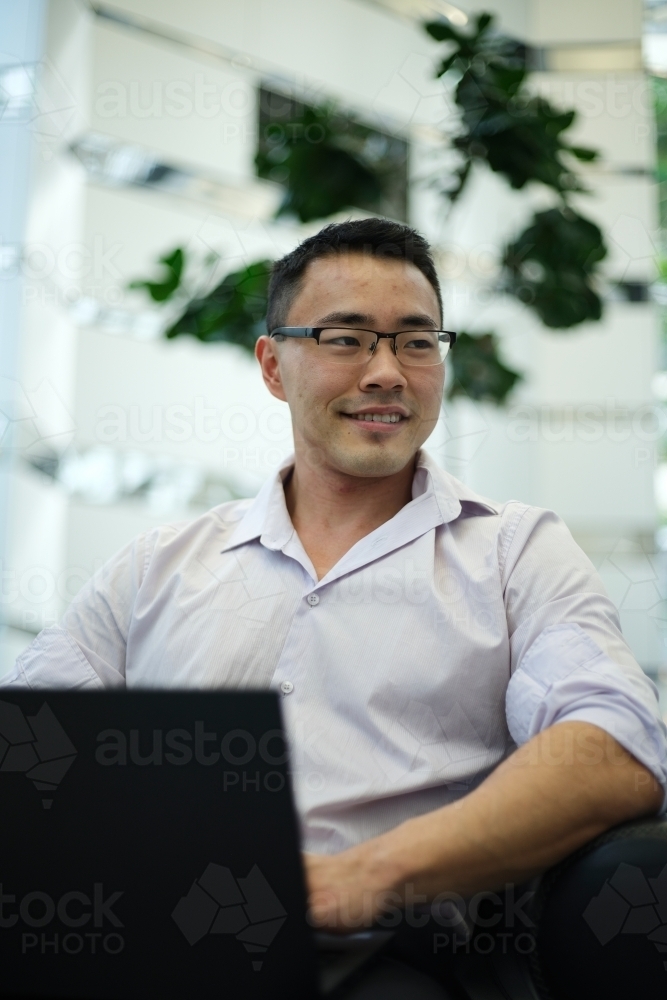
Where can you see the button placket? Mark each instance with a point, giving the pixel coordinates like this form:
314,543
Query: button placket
288,663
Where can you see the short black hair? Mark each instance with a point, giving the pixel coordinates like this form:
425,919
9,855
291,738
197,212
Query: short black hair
375,237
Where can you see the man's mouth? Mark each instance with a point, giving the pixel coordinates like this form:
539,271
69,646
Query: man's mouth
377,418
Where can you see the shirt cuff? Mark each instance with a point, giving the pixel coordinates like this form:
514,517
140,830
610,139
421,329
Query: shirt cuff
54,660
565,676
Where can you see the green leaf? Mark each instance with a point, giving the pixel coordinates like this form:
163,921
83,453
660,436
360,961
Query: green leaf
442,31
584,154
173,264
479,373
551,268
516,133
233,312
319,157
447,64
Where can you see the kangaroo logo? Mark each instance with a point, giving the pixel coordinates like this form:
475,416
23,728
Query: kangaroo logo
217,903
37,745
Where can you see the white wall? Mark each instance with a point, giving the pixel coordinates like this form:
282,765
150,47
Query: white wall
37,521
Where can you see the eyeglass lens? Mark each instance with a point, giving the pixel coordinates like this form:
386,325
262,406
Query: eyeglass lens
413,347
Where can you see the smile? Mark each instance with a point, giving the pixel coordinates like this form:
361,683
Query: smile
377,418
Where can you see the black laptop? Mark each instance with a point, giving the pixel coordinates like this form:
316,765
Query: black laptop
149,848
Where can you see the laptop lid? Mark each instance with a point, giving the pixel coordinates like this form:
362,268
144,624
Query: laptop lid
149,848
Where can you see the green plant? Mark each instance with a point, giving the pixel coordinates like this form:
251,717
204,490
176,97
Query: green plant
551,267
478,373
311,150
659,86
172,267
327,161
232,312
515,133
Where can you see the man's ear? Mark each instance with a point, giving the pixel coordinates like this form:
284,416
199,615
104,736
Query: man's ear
266,352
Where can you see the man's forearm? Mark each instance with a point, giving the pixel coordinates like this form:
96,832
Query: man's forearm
560,790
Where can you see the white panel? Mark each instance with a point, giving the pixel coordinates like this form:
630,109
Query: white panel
95,533
590,21
190,110
610,363
194,402
350,49
598,475
35,589
226,419
53,268
601,485
614,114
625,208
35,586
128,229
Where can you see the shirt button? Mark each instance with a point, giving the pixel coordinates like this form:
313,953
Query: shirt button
313,600
286,687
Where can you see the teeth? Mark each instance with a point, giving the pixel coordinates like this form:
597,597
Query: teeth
378,418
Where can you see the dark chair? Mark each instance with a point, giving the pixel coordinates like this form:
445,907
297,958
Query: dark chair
602,918
594,927
599,927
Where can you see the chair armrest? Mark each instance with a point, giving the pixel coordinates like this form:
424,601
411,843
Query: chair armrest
601,918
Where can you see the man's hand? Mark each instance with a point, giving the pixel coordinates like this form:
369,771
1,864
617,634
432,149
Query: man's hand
348,891
561,789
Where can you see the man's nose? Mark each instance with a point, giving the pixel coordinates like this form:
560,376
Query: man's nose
383,370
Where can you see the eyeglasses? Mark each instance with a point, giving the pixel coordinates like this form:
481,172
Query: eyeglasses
344,346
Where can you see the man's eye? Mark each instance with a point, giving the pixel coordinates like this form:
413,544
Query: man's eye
420,344
343,342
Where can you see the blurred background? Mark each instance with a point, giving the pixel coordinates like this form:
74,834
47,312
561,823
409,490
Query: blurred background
156,157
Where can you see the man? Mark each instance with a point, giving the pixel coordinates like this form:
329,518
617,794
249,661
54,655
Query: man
462,708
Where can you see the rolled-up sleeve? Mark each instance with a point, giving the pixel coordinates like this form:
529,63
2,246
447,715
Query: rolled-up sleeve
87,648
569,661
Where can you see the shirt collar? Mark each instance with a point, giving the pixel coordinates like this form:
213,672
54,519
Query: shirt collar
267,517
440,493
453,496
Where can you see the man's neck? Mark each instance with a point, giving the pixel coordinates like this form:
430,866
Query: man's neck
331,511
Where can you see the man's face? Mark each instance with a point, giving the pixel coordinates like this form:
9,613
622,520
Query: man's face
330,402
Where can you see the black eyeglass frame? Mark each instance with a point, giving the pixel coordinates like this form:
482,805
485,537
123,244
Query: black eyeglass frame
313,333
